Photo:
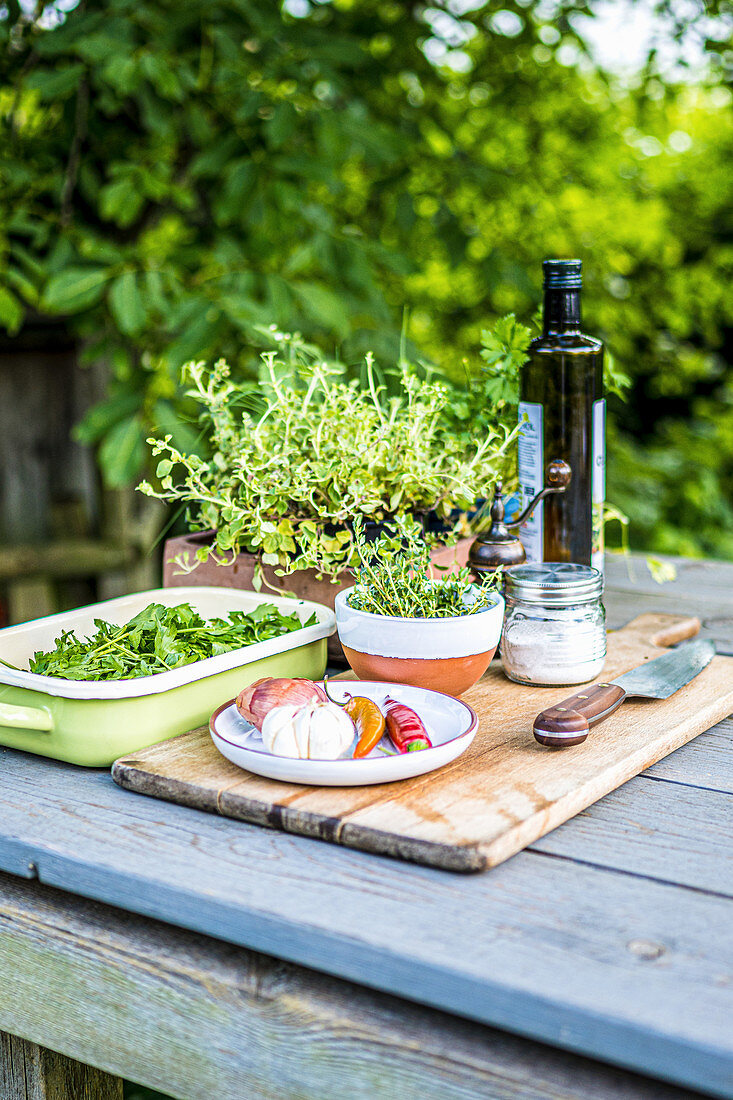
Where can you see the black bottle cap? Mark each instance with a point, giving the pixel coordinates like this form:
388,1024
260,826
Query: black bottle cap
561,274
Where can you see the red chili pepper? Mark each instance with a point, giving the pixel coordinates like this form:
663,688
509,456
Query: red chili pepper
405,728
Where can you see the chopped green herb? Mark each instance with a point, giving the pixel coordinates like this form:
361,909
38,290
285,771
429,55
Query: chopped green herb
158,639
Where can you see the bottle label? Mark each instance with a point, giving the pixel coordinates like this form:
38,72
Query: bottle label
531,466
598,482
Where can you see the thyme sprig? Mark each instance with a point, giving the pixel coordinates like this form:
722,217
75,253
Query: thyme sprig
393,577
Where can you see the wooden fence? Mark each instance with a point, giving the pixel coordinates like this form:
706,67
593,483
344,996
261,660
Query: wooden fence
64,539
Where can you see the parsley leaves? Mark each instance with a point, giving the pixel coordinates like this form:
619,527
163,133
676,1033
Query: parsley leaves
158,639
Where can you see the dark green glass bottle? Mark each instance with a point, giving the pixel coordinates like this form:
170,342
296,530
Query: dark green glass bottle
561,395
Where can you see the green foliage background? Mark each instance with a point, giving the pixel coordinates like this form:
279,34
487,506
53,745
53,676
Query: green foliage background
173,174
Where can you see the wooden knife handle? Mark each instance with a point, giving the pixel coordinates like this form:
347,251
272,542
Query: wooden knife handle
568,722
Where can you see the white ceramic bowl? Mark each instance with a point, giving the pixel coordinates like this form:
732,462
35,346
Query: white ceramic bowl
447,655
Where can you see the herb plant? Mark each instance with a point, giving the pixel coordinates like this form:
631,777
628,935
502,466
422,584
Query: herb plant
285,482
159,639
393,578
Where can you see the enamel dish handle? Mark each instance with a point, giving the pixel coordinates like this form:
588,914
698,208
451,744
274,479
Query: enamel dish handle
26,718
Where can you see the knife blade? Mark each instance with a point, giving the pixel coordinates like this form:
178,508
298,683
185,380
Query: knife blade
567,723
662,677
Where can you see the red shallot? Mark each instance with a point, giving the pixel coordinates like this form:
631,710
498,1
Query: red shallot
256,700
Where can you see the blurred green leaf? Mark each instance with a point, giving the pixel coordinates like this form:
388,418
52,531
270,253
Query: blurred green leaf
167,421
121,200
97,47
281,126
325,306
162,75
127,304
122,453
11,311
75,289
97,422
56,83
22,284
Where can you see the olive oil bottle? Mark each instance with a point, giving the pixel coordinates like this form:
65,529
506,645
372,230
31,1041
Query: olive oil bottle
561,401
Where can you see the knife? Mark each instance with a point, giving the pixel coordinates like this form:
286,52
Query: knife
568,722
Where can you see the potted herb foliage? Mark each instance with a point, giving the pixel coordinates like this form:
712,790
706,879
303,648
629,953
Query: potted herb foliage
291,465
401,624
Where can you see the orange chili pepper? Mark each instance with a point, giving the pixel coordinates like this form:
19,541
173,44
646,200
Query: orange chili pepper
369,722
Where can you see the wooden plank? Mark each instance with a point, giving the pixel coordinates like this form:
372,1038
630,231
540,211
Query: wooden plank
504,793
716,625
30,598
133,521
702,579
623,969
36,452
705,762
701,587
31,1072
664,831
63,558
198,1018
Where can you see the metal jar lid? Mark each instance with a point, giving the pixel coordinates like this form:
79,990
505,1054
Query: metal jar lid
553,584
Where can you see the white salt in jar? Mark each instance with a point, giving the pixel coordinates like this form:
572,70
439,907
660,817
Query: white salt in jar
555,624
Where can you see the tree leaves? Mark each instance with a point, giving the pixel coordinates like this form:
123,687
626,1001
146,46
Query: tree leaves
281,126
324,306
97,422
127,304
236,164
122,453
121,200
74,289
11,311
239,176
57,83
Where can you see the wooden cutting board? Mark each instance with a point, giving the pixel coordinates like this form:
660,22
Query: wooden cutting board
505,792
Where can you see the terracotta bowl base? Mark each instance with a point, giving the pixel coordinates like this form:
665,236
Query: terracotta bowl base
451,675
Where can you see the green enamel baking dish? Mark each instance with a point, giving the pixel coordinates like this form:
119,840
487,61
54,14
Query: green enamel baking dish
93,723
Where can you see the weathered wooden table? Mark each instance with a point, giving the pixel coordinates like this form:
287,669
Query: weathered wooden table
212,959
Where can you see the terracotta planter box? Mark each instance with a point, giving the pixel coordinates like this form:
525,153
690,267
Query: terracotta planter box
303,584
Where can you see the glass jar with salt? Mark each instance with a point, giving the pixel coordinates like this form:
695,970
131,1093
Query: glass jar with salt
555,624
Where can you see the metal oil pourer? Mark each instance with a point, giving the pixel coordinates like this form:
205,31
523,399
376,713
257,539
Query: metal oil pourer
498,548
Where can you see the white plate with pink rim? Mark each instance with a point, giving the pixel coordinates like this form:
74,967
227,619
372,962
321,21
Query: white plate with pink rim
450,723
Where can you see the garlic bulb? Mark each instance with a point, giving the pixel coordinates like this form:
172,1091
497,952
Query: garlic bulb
311,731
